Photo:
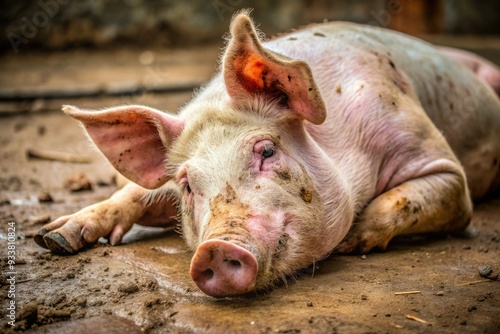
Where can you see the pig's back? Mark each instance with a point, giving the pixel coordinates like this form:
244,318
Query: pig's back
343,55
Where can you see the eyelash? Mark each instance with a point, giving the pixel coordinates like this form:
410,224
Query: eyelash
184,182
268,151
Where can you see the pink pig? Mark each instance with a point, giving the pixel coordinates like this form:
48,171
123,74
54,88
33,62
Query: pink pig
336,137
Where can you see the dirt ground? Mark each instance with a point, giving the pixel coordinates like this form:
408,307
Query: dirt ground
421,284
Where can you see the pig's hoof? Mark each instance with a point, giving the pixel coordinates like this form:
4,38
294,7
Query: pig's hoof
57,244
38,238
362,243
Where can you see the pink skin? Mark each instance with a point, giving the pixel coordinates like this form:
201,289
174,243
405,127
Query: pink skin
482,67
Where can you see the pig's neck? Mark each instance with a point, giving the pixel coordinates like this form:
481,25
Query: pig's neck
357,170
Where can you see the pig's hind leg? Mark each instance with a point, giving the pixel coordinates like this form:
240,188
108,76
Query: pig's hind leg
111,218
431,203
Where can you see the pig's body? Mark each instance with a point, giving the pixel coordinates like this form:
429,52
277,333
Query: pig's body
333,128
378,74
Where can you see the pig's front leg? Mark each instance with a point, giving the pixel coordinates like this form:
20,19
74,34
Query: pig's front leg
432,203
111,218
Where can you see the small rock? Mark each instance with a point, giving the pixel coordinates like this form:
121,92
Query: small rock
472,308
45,197
463,322
483,249
439,293
485,270
29,313
77,182
81,301
363,257
364,297
57,300
310,304
128,288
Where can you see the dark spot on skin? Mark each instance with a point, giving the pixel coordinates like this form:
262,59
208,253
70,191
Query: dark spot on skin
289,78
310,88
413,223
292,38
306,195
495,161
392,64
393,103
319,34
339,89
211,253
452,106
257,187
281,246
284,175
233,224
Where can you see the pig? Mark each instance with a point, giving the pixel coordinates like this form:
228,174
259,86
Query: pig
333,138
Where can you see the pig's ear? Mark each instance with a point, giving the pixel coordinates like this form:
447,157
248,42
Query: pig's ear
134,139
251,70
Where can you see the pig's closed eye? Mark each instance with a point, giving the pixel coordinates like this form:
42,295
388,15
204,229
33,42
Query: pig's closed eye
185,183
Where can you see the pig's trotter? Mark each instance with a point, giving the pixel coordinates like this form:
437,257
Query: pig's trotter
113,217
58,244
432,203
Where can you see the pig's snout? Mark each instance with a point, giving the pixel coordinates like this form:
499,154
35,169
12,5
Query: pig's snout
221,269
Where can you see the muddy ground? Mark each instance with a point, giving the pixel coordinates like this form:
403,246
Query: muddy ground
143,286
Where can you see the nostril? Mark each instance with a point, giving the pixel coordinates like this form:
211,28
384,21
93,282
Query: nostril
234,263
208,274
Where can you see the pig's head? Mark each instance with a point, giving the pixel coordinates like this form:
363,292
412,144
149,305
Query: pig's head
260,199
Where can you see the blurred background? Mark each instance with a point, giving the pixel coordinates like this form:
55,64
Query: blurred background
65,24
156,52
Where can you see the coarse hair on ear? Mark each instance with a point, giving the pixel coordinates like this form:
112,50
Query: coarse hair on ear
251,70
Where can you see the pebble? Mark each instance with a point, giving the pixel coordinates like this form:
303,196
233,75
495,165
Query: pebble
77,182
29,312
485,270
128,288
